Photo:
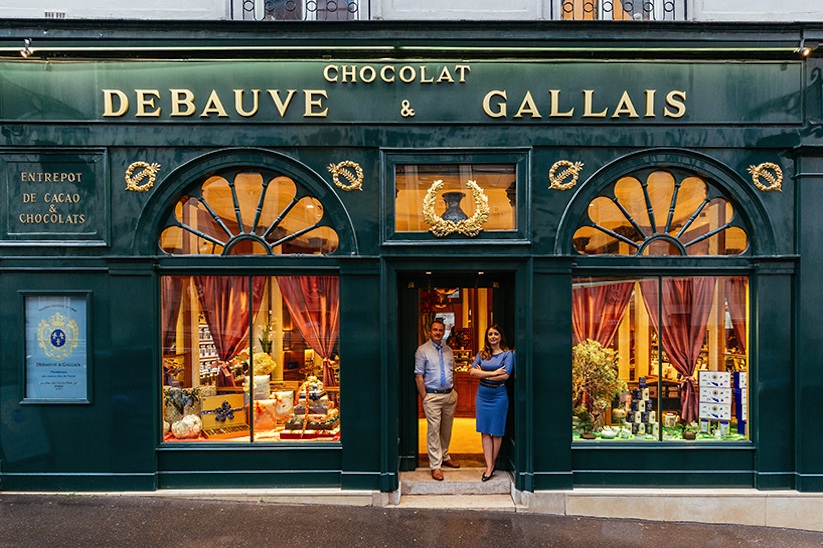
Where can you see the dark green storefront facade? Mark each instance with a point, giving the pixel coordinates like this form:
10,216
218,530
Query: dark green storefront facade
93,101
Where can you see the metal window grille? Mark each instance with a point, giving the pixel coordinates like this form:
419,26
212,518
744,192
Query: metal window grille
628,10
299,10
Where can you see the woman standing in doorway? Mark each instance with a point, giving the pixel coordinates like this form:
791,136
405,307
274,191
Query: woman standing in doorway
493,365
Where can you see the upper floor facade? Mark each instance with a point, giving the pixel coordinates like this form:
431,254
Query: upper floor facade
341,10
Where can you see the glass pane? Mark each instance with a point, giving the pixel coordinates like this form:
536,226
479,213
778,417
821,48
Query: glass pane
279,195
320,241
218,194
604,212
680,347
224,381
171,240
247,247
661,248
247,188
412,183
629,193
306,212
592,241
661,192
734,241
690,198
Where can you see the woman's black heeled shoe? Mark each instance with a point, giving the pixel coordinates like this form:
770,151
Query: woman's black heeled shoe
484,477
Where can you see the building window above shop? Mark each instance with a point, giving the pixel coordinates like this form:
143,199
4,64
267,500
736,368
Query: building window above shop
248,212
455,199
627,10
661,212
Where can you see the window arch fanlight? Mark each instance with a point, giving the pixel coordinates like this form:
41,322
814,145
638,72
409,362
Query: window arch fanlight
661,211
248,211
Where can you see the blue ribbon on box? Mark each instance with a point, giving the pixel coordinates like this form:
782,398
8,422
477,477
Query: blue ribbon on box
223,412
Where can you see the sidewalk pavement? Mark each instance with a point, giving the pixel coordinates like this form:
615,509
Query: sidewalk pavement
126,520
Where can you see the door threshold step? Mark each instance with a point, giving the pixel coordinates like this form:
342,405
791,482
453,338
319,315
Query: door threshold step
463,481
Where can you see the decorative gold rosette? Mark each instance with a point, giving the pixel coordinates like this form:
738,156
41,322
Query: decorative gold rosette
467,227
355,179
133,181
572,170
771,173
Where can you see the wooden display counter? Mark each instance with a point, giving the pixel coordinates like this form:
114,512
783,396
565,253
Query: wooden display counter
466,387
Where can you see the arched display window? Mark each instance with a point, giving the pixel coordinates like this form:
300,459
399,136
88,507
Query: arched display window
248,211
250,358
658,212
661,357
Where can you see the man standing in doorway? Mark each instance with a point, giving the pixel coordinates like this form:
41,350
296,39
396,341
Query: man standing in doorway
434,375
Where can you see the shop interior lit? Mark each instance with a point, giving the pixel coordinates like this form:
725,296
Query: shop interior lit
660,359
251,358
466,312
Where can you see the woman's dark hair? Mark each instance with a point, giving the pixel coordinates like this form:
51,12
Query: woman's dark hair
486,353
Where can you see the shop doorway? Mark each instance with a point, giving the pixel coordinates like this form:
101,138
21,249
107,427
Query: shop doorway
467,302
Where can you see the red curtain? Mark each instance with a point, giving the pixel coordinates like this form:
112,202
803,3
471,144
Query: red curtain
686,303
314,305
736,297
224,301
597,310
172,291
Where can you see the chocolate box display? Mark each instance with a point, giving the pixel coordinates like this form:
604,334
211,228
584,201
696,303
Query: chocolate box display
322,418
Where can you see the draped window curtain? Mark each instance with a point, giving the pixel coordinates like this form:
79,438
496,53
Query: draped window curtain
736,298
686,304
314,305
224,301
597,311
172,289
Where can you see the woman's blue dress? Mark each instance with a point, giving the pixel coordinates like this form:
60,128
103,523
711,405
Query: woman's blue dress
493,402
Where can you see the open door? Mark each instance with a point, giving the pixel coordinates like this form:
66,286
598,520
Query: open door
467,303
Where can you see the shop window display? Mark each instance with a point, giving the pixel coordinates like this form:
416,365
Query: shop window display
250,358
660,358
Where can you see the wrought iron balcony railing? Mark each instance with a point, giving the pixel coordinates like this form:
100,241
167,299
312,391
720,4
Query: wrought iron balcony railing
617,10
298,10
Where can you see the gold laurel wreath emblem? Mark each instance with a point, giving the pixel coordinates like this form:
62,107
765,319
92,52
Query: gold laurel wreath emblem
774,177
355,179
133,181
556,179
467,227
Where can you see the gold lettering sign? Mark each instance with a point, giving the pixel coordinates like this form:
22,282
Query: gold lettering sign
184,103
390,74
559,105
535,103
47,206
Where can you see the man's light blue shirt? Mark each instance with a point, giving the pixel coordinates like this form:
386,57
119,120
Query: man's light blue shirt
427,363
